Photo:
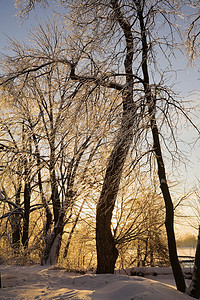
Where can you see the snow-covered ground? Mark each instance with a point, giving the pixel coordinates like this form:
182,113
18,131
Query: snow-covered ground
44,282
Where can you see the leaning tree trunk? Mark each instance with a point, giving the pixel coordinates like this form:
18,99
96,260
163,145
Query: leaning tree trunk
107,252
151,102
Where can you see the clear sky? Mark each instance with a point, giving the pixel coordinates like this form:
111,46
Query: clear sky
12,27
9,23
186,80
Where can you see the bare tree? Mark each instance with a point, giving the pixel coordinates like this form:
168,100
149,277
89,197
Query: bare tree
61,122
16,161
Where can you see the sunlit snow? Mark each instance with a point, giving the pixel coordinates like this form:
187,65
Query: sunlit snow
44,282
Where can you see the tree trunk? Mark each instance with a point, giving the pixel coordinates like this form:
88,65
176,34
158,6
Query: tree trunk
107,252
54,185
151,102
27,188
169,219
16,223
44,202
53,242
27,199
55,195
194,288
53,239
16,228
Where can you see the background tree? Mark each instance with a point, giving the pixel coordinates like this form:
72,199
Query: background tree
58,141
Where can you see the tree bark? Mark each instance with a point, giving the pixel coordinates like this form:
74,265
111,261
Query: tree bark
55,198
54,189
27,190
16,223
151,103
53,242
43,198
169,219
107,252
27,199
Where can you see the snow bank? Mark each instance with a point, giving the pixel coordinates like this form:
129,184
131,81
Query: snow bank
39,282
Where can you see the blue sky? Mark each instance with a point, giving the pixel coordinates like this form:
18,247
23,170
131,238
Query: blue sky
12,27
9,23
